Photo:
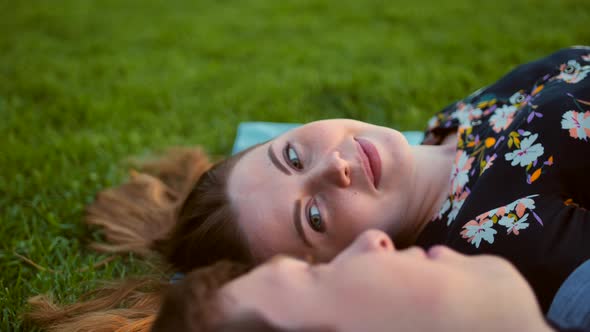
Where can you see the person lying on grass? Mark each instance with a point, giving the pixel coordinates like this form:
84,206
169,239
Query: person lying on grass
370,286
502,171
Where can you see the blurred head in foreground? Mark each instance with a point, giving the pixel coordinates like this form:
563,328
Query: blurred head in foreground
368,287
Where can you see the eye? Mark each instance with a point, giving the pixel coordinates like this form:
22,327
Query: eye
292,157
569,69
315,218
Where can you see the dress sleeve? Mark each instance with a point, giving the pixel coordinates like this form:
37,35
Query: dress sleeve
524,77
563,106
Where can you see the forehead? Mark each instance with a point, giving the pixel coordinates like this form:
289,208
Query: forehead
261,195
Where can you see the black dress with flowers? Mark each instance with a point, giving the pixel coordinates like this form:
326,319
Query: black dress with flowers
520,185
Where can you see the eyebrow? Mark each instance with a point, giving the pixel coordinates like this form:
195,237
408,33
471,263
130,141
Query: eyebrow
297,223
276,161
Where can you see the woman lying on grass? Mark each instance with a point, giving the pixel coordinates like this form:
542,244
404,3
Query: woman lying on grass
502,171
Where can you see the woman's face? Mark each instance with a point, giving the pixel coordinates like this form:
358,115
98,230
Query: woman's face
311,191
372,287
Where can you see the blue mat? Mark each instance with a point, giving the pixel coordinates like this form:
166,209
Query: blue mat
250,133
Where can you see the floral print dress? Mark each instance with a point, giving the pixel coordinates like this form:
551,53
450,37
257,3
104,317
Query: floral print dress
520,184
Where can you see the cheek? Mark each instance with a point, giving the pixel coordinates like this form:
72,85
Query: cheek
416,289
356,213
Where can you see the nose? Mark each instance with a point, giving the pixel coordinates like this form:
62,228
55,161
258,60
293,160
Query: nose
369,241
334,169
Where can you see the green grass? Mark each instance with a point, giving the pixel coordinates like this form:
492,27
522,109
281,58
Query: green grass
84,84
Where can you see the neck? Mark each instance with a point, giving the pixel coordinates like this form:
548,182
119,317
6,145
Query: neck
430,181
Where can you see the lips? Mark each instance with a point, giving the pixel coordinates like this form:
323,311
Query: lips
371,160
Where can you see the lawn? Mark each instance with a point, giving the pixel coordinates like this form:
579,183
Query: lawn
85,84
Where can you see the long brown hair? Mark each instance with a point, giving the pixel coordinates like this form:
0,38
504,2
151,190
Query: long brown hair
206,229
132,305
143,209
176,205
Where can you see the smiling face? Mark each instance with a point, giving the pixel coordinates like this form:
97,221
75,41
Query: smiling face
372,287
312,190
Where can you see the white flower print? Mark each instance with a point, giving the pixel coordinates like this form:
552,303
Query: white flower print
502,117
513,225
518,206
527,153
475,232
460,171
444,208
465,113
433,122
517,98
572,72
511,216
521,204
456,206
577,123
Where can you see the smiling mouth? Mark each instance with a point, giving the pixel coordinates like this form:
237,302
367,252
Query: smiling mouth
371,160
